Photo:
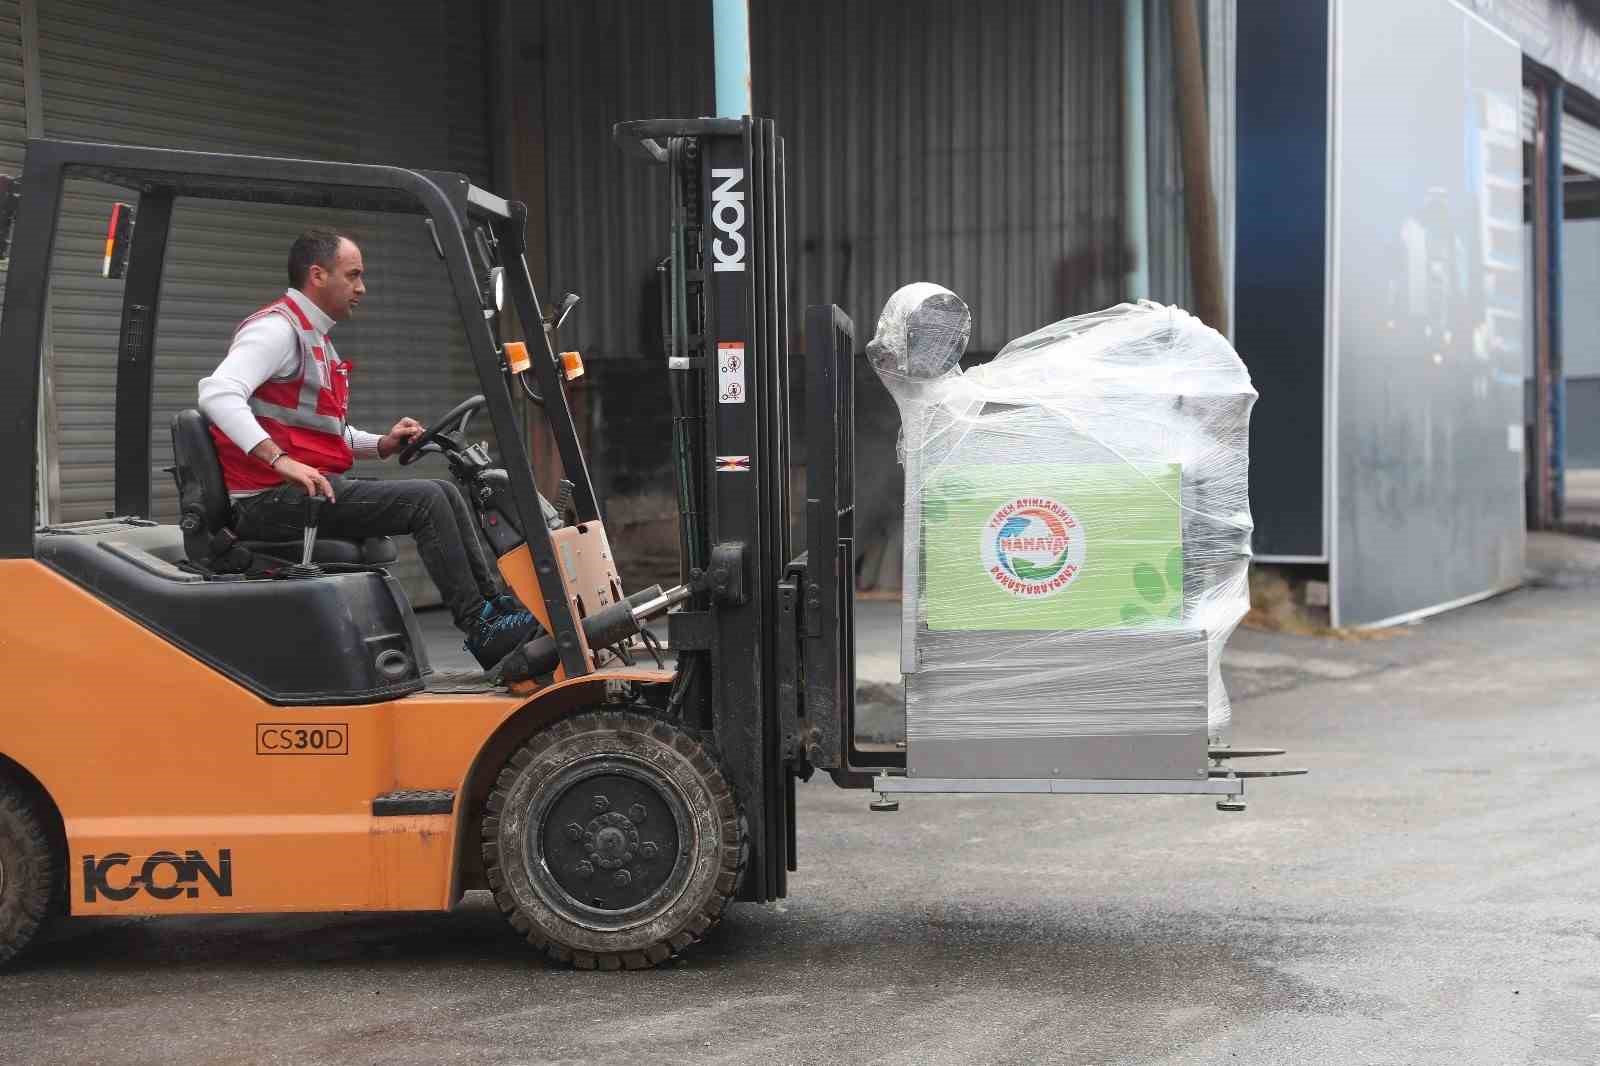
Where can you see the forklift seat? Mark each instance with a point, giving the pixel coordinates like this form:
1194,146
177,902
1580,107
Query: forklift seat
206,513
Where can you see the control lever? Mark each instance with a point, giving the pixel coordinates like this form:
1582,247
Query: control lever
305,567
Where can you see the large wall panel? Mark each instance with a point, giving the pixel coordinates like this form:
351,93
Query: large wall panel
1426,299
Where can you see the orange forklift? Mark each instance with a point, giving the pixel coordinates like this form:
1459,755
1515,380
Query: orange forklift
197,724
275,739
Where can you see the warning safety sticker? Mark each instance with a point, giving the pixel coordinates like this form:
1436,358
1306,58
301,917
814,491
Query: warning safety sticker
730,372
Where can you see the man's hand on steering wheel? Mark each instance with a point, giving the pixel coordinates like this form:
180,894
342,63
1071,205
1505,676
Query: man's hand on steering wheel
404,432
454,421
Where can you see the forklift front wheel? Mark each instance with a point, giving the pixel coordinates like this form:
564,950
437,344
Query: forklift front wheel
613,840
30,871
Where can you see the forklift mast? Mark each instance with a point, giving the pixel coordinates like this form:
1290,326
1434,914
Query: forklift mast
765,646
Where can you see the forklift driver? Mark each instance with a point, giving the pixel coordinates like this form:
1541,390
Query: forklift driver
277,405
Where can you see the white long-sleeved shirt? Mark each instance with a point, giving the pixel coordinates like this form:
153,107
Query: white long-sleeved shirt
263,349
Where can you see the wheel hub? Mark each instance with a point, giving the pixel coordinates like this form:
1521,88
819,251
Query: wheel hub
610,840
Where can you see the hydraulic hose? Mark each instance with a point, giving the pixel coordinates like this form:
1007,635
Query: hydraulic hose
601,629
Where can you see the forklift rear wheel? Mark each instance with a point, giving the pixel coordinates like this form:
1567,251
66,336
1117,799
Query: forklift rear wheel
612,840
30,871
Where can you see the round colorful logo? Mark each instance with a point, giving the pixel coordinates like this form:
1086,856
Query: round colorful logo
1032,547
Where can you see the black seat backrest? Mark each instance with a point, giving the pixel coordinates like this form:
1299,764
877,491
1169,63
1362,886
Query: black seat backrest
205,514
203,504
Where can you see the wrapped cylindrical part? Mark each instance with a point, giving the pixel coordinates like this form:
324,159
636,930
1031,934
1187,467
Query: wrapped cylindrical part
922,333
1078,525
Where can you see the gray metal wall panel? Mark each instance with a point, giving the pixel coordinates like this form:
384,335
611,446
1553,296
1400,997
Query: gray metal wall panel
1583,423
1580,317
1427,308
367,83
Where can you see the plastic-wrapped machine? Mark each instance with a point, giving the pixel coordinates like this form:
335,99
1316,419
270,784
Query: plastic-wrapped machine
1076,542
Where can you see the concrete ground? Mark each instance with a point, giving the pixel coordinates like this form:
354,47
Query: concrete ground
1430,894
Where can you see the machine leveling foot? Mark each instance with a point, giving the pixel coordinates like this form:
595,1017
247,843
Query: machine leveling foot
883,803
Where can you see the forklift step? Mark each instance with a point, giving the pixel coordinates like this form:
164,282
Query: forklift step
414,801
1243,753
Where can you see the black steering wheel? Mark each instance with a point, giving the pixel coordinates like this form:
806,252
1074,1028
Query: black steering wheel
454,421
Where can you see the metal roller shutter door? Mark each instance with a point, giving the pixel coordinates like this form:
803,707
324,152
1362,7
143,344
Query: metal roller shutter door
367,82
13,112
1580,145
1580,141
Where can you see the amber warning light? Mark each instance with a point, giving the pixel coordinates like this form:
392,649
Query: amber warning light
516,354
119,234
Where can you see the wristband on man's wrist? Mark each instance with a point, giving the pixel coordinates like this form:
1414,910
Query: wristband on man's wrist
273,462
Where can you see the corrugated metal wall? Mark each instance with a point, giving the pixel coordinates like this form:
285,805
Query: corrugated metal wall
978,147
365,81
607,61
926,139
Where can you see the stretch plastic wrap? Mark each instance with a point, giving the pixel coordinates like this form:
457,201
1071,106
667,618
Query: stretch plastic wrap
1077,524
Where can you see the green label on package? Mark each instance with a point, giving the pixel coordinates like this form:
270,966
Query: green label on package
1034,546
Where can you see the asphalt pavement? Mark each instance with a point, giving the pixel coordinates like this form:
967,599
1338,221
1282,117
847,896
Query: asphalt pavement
1430,894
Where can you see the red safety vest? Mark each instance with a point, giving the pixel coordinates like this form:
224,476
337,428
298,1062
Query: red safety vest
303,413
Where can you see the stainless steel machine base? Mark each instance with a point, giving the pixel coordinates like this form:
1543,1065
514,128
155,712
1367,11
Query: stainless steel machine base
1076,786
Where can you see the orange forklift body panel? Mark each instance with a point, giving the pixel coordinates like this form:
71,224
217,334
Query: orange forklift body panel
183,792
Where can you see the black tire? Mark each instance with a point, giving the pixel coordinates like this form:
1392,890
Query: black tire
612,840
30,872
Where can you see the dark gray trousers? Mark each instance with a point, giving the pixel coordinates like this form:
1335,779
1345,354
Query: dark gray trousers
432,512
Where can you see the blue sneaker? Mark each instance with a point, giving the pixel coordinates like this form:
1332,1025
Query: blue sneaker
496,634
506,603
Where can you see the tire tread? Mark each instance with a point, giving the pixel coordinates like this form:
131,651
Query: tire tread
625,725
33,873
